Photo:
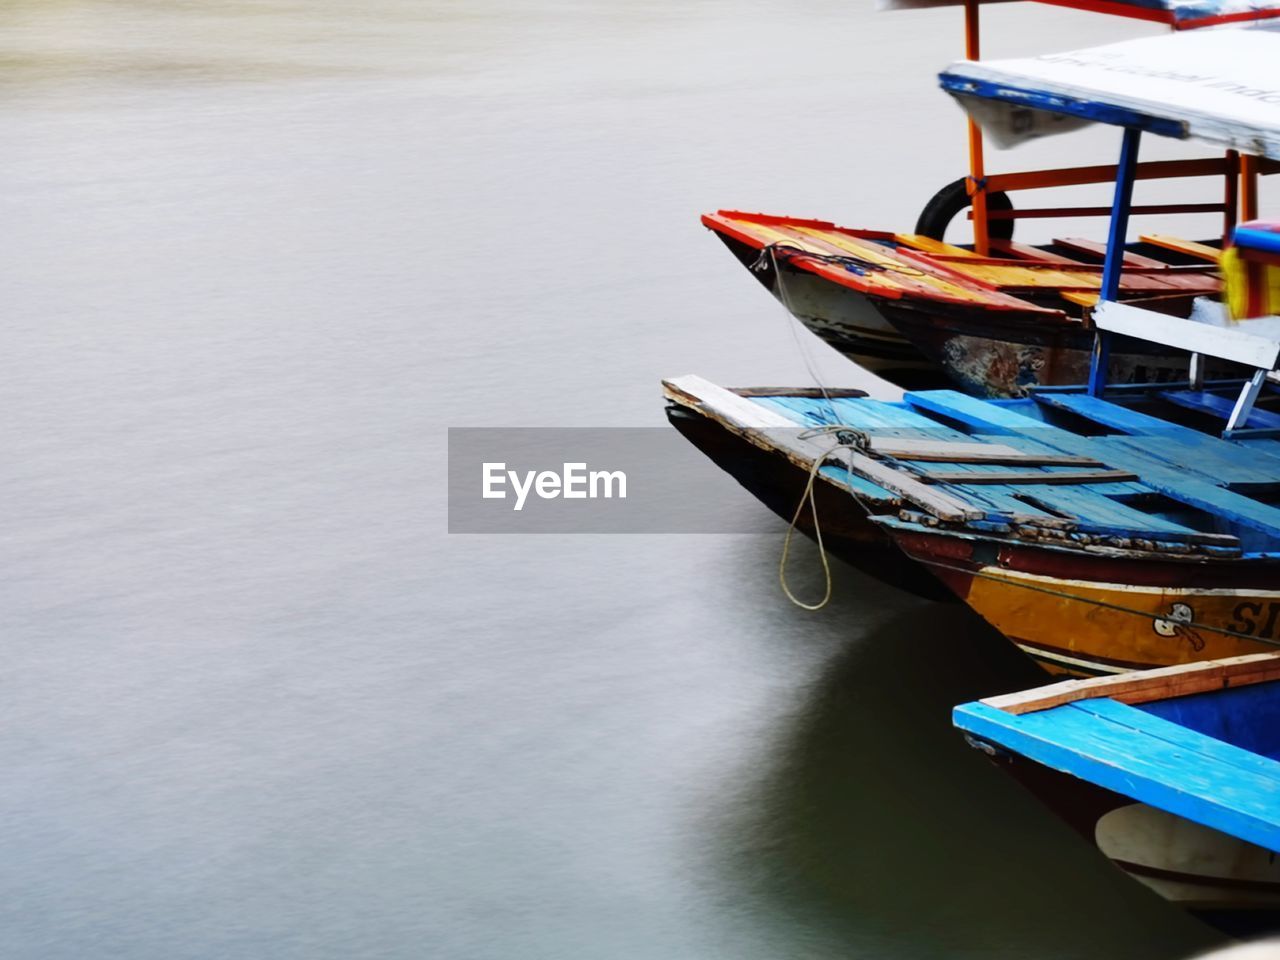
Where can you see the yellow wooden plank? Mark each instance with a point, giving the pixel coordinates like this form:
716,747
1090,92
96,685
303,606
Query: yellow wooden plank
919,241
1080,297
1200,251
818,243
867,250
1016,276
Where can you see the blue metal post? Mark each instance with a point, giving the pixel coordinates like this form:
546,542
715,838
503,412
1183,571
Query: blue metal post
1120,204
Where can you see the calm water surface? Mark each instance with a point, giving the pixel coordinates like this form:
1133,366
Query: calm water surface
257,257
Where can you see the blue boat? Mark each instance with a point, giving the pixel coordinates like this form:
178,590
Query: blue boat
1174,773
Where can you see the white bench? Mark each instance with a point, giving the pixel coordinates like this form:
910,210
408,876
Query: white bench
1200,340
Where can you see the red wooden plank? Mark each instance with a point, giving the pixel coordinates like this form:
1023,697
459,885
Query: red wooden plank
1027,252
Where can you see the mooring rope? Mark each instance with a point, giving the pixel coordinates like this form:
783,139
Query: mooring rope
852,439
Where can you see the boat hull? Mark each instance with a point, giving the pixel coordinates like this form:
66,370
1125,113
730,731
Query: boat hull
1087,614
1002,355
1226,881
847,320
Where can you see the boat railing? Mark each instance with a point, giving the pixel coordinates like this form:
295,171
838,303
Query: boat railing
1238,173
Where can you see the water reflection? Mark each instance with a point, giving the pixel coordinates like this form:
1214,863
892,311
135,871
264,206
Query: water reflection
874,823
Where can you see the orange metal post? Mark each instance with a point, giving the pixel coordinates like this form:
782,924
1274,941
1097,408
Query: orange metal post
1248,187
977,188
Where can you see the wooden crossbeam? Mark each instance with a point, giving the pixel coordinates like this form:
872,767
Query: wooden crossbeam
1201,251
1030,476
1144,686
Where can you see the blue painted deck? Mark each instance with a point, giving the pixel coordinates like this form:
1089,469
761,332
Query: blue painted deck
1114,416
1191,483
1211,757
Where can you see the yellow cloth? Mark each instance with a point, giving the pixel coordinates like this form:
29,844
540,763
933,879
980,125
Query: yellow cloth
1251,289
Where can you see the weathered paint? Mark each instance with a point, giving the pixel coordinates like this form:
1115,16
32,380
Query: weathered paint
997,356
1061,609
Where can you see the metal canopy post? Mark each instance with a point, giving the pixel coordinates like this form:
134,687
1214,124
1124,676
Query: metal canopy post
1120,204
977,181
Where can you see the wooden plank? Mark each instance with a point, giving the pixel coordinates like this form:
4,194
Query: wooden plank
784,435
1178,484
943,507
999,276
1186,738
1200,251
1205,784
1116,417
739,410
1100,250
1222,342
1030,476
751,422
1025,251
1212,403
1143,686
1105,173
835,393
904,275
1224,464
919,241
1101,514
950,451
1080,297
893,275
1015,277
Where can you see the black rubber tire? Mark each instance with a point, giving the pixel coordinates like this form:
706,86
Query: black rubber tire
953,199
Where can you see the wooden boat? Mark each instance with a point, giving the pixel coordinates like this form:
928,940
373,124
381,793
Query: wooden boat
1095,552
998,317
1100,536
909,306
1173,773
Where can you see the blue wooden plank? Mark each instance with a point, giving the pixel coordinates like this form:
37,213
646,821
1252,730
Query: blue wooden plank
1101,512
1150,719
858,485
1115,416
979,414
1220,406
1177,485
1220,463
1197,784
875,417
1255,455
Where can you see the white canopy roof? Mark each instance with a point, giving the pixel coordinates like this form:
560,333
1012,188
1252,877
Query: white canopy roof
1220,85
1180,14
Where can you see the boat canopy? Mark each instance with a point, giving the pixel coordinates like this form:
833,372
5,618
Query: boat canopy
1180,14
1220,86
